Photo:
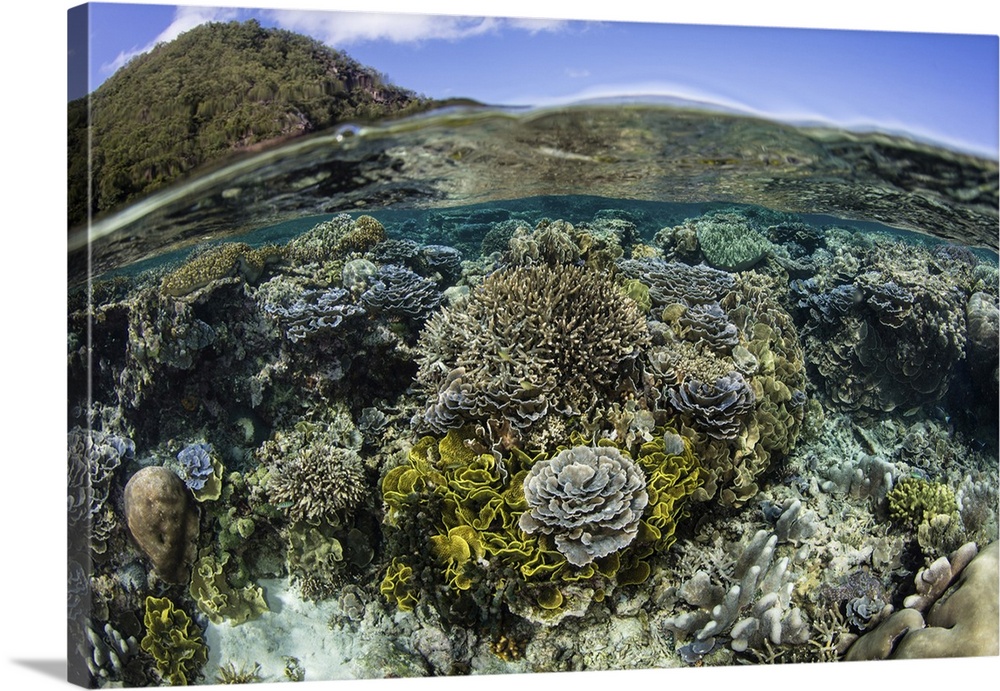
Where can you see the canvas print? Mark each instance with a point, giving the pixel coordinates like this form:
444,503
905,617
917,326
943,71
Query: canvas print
407,346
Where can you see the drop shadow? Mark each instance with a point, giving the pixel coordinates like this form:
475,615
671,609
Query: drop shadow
50,668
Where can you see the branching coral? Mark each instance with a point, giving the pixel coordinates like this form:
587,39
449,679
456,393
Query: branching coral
318,483
757,609
529,342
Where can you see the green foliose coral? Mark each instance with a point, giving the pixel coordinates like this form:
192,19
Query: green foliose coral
174,641
454,510
220,601
914,501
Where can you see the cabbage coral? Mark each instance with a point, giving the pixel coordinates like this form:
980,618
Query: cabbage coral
589,499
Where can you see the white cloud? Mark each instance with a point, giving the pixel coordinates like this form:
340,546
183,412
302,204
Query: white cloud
339,29
574,73
185,19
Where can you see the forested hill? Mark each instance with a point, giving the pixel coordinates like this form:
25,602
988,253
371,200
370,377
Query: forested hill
217,89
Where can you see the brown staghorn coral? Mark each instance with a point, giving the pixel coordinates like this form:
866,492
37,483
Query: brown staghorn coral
531,341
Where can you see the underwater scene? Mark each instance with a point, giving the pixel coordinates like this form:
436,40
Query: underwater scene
603,387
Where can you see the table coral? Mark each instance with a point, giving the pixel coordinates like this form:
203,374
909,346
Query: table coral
729,241
222,261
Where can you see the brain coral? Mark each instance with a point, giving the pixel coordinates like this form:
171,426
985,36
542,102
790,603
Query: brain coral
589,499
531,341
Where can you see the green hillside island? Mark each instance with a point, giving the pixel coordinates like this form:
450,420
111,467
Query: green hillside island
214,91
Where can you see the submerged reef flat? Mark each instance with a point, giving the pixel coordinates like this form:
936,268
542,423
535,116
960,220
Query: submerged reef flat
489,441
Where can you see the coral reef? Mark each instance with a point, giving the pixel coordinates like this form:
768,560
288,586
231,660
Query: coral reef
495,539
725,358
889,336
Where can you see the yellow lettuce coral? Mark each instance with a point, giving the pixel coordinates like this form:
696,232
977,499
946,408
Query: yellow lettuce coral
174,641
479,498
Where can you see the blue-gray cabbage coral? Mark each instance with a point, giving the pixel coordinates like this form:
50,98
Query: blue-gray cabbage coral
589,499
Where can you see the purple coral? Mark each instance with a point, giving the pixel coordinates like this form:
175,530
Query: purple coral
718,407
314,313
196,460
671,282
399,292
710,324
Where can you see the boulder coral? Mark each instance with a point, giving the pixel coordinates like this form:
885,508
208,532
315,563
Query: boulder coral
162,520
954,614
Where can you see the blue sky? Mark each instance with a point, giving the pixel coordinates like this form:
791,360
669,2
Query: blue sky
937,86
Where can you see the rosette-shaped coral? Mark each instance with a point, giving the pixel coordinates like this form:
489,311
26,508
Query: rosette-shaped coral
314,313
718,407
399,292
196,460
444,260
94,457
529,342
588,499
709,324
674,282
